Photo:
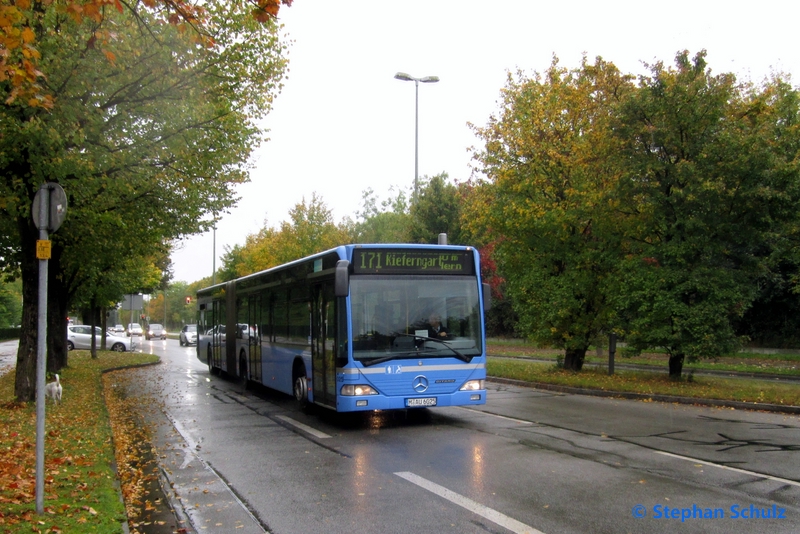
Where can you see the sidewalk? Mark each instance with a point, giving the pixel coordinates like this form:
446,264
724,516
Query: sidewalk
197,496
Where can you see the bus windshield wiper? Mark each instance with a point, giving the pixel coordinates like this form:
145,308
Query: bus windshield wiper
395,356
460,356
417,353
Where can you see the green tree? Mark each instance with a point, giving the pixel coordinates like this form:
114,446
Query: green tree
178,311
548,205
711,191
148,131
773,320
389,223
436,211
10,304
310,229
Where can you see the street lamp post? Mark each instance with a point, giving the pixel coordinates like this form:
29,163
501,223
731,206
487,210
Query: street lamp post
214,253
214,257
425,79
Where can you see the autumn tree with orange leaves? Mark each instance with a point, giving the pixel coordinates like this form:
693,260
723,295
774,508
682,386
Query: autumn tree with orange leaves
21,57
146,114
548,206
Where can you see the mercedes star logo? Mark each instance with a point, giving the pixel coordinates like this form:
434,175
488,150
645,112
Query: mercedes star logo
420,384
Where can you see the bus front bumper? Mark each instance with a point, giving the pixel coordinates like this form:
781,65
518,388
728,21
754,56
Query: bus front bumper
380,402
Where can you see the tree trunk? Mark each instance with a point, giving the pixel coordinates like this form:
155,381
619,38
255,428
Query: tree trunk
94,324
57,353
573,359
25,380
676,365
57,308
103,326
56,317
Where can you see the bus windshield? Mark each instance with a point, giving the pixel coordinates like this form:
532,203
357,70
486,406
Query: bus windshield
397,317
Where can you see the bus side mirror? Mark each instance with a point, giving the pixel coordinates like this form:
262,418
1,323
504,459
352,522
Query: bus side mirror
487,297
341,285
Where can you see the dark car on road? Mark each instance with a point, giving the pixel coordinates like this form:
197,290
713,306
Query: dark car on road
155,331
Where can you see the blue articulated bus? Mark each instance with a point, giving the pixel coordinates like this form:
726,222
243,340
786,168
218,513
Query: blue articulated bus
358,327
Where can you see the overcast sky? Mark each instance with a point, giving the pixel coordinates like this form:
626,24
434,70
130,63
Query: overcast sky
343,124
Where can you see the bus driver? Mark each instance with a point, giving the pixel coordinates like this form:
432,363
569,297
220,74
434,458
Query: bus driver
436,329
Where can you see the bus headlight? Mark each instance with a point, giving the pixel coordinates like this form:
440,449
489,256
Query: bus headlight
472,385
357,390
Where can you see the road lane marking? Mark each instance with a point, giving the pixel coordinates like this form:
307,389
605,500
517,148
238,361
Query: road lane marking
305,428
492,515
735,469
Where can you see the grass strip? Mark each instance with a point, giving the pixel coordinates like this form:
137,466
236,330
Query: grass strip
704,387
753,363
81,492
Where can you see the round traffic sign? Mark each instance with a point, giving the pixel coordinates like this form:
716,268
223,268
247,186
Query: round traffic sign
58,206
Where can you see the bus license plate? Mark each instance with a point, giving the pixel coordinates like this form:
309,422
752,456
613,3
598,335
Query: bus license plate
427,401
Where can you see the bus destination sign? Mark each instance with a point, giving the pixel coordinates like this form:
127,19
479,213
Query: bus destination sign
412,261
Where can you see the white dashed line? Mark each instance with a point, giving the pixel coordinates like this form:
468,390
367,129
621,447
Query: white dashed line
492,515
743,471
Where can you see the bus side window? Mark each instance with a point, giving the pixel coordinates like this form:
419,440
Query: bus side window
242,318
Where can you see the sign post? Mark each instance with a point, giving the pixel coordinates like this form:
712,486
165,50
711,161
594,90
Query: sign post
48,211
133,302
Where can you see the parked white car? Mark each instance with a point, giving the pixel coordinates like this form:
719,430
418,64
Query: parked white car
80,337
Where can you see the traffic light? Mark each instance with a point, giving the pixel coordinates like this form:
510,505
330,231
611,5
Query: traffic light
188,300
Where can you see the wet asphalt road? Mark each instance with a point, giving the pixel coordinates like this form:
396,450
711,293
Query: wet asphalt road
8,355
529,461
250,460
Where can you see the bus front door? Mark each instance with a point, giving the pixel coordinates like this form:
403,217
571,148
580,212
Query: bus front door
323,345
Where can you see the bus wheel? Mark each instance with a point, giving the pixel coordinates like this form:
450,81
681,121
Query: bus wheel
211,369
243,377
301,389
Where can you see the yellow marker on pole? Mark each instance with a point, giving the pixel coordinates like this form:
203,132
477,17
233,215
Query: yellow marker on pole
43,249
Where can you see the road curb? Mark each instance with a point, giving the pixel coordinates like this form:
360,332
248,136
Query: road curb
778,408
